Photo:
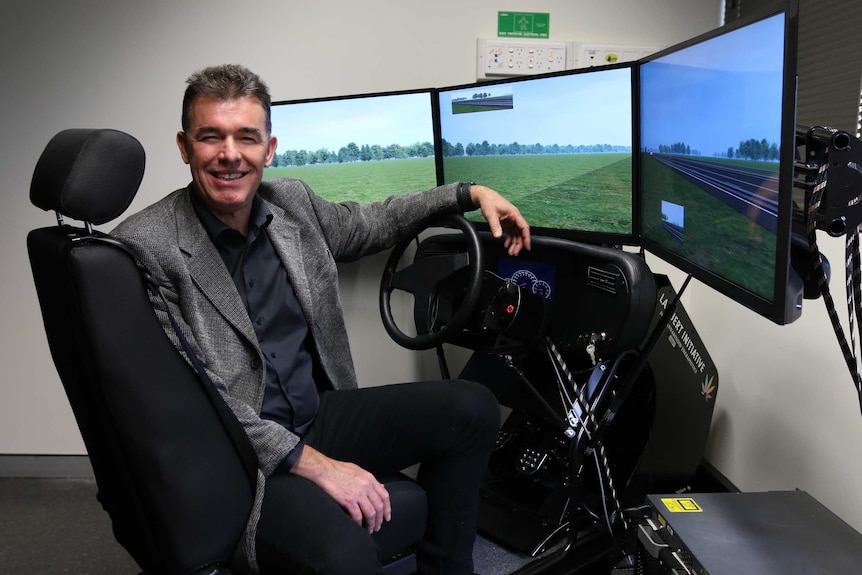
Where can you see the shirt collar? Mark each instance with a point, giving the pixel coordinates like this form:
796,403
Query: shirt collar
260,218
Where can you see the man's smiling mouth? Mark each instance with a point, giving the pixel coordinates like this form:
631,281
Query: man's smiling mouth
232,176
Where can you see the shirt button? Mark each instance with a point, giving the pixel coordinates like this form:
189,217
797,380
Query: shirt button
259,321
273,355
254,364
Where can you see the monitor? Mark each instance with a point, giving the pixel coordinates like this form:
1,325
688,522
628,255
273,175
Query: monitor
558,145
717,144
361,148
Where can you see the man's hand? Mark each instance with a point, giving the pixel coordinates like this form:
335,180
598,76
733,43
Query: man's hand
356,490
503,218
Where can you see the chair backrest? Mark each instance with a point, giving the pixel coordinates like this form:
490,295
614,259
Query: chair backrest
165,450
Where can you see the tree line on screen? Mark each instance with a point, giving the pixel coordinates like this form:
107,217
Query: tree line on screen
755,150
516,149
751,149
353,152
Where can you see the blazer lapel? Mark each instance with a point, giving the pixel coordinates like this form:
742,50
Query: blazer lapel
285,238
207,268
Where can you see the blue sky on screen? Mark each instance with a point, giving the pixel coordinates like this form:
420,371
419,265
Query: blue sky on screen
587,108
713,95
402,119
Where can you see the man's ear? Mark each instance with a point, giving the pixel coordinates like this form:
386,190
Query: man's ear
182,144
272,144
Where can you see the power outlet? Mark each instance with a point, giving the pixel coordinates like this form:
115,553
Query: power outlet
505,57
603,54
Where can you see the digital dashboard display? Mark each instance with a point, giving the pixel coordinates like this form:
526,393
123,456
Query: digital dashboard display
539,278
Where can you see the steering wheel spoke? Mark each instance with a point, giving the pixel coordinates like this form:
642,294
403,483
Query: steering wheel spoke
426,274
423,279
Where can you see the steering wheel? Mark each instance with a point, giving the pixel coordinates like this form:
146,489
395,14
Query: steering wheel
424,278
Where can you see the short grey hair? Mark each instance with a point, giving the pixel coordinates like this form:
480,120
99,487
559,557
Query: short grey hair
226,82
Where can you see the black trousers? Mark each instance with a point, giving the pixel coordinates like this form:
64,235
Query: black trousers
448,427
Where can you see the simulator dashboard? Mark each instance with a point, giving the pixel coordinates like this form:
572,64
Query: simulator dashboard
608,293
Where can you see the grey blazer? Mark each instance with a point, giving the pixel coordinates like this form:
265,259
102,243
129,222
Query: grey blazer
310,235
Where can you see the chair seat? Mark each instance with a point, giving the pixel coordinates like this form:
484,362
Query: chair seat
409,515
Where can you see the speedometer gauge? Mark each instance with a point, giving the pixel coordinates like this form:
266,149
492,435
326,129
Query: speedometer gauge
524,278
542,288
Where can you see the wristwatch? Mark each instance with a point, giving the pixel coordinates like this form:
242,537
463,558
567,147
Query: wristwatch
465,201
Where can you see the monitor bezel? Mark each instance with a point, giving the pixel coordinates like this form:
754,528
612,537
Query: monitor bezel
585,236
785,306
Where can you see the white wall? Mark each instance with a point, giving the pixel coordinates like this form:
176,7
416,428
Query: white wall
786,415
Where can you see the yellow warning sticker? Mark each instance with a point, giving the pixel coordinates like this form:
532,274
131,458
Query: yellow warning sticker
681,505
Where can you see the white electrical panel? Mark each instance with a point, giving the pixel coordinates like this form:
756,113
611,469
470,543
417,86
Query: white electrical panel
507,57
603,54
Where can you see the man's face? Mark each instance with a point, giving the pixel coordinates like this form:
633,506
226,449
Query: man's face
227,147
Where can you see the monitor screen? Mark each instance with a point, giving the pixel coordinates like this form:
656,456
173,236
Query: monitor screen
717,130
360,148
559,146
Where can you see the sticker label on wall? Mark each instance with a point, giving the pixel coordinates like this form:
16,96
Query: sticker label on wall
523,24
681,505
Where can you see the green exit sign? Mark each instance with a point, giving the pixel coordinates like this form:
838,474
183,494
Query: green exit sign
523,24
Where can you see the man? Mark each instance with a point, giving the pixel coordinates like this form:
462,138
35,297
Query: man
249,269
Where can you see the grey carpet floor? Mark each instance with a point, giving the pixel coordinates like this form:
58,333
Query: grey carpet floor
56,526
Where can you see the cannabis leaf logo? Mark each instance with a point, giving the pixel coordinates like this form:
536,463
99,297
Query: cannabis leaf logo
708,387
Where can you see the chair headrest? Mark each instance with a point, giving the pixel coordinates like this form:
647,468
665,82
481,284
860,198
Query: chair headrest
88,174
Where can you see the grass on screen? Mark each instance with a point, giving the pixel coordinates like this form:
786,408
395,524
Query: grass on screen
590,192
717,236
363,182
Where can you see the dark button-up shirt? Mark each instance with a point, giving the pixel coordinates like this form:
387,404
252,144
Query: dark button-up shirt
291,397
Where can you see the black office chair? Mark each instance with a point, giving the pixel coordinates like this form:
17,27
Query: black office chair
174,469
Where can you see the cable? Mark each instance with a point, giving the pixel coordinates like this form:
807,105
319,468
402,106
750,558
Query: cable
853,281
607,515
849,261
850,357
